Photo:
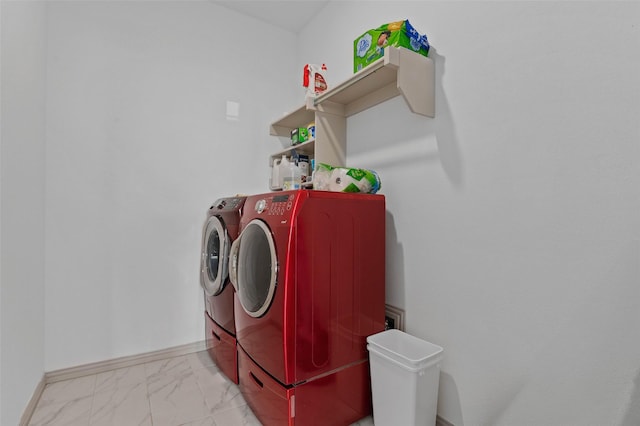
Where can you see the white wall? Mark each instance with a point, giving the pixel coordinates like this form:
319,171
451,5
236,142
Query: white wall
22,154
138,148
513,217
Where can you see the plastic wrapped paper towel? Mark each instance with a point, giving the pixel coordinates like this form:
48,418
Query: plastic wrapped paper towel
344,179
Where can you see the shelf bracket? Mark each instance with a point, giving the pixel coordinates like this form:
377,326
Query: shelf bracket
418,93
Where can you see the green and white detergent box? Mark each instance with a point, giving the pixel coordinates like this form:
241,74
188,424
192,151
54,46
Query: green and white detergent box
370,45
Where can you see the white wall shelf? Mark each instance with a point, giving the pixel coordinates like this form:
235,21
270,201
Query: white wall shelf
305,148
398,72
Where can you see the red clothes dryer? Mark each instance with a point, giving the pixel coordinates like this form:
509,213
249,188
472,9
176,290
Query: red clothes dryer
309,273
219,232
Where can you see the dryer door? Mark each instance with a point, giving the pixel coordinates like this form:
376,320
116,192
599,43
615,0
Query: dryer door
215,256
254,268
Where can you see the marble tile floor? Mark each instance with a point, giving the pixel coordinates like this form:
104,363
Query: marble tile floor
180,391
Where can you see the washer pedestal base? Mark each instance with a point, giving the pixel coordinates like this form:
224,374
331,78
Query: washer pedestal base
340,398
222,348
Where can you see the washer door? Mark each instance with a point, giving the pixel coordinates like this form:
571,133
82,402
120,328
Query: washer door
254,268
215,256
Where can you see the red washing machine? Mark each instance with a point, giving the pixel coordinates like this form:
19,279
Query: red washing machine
309,273
219,232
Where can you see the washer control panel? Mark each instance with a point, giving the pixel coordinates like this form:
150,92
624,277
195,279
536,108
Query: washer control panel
227,204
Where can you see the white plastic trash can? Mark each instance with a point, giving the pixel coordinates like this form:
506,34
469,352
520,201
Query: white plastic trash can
405,374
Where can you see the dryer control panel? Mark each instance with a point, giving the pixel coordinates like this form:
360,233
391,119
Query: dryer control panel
278,205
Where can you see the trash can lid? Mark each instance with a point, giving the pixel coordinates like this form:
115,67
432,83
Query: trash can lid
405,348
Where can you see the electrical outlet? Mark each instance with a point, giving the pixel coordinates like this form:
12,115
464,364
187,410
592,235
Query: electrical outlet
393,318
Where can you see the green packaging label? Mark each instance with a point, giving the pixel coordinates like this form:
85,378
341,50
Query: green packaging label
370,46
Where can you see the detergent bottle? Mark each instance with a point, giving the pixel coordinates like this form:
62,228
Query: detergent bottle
314,79
292,177
278,169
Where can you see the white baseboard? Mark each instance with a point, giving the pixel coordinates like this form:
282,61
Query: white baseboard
126,361
442,422
101,367
31,406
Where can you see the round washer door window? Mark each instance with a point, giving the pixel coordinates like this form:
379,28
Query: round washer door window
256,268
215,255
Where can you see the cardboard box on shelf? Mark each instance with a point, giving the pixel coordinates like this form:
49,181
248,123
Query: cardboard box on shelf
370,46
299,135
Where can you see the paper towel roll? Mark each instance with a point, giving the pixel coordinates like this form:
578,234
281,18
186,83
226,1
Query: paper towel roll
352,180
343,179
321,178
